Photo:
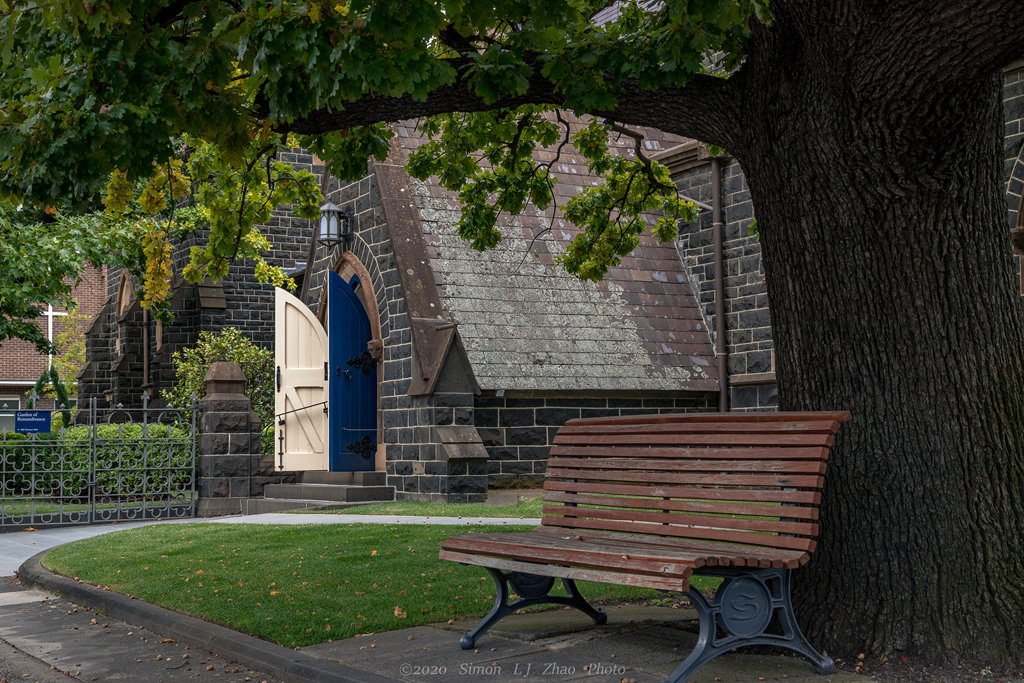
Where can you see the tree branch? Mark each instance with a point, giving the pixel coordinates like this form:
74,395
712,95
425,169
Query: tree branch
704,109
638,148
457,97
171,13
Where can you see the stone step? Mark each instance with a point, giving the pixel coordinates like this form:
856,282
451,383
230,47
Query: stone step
330,492
344,478
256,506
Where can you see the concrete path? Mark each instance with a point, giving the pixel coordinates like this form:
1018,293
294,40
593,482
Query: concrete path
18,546
638,644
71,641
297,518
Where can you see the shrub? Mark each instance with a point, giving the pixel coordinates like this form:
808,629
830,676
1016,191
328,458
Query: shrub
257,363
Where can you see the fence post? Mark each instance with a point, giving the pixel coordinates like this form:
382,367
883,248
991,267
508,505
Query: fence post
193,437
228,451
92,459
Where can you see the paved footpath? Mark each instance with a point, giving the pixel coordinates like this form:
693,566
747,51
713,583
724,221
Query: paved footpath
95,635
86,645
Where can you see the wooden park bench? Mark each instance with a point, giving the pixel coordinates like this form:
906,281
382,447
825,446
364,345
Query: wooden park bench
651,500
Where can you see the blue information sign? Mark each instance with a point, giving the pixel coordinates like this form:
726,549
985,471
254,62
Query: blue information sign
32,421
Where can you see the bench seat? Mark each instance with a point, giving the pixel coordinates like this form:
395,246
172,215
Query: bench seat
610,558
651,500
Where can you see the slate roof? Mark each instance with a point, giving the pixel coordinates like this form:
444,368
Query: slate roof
527,325
614,9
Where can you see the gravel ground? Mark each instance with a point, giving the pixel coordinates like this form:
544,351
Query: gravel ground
904,669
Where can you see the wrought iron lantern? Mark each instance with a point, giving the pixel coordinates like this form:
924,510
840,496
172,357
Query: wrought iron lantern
335,225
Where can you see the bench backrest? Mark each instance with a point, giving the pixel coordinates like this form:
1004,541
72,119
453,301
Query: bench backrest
749,478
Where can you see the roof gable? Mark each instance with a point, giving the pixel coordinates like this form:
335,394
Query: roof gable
528,325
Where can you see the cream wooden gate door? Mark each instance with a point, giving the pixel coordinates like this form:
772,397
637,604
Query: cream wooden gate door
301,355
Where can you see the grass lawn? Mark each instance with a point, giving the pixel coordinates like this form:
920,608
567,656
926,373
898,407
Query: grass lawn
297,585
528,509
15,507
424,508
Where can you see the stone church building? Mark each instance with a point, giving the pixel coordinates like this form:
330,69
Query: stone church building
466,363
476,358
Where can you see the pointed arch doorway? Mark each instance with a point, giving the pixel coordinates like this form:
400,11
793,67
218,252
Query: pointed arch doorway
353,375
327,389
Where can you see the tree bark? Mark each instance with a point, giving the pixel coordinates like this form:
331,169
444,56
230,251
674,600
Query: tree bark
890,279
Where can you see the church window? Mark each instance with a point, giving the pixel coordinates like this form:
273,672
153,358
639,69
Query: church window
8,406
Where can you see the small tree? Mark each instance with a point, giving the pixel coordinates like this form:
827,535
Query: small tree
70,343
257,363
50,380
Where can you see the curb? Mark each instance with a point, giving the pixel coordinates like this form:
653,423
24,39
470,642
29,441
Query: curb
270,658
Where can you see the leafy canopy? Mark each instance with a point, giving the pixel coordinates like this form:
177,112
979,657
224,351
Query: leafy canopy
177,108
42,257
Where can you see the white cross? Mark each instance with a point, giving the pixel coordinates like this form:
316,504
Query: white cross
50,313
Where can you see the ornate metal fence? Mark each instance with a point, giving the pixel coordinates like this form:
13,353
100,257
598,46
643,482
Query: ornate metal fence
122,465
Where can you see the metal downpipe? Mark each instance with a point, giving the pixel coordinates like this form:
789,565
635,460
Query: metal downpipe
718,236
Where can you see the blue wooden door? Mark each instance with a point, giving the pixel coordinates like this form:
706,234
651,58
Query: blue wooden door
353,370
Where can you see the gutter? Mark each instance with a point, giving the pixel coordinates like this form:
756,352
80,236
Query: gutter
688,156
718,236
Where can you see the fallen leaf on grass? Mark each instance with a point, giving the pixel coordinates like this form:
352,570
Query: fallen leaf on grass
399,612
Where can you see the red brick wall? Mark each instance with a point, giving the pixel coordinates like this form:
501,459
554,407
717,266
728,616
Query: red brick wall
19,360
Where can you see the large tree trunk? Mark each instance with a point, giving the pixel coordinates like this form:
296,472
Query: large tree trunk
890,278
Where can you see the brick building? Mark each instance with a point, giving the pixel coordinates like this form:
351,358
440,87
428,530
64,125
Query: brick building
21,364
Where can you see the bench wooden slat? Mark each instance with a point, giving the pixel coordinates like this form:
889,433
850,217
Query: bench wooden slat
725,439
751,555
753,480
694,465
675,492
575,573
709,427
748,524
766,540
595,551
731,418
708,507
707,453
655,562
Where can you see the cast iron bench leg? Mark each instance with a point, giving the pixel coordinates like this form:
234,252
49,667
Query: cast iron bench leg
744,607
532,590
